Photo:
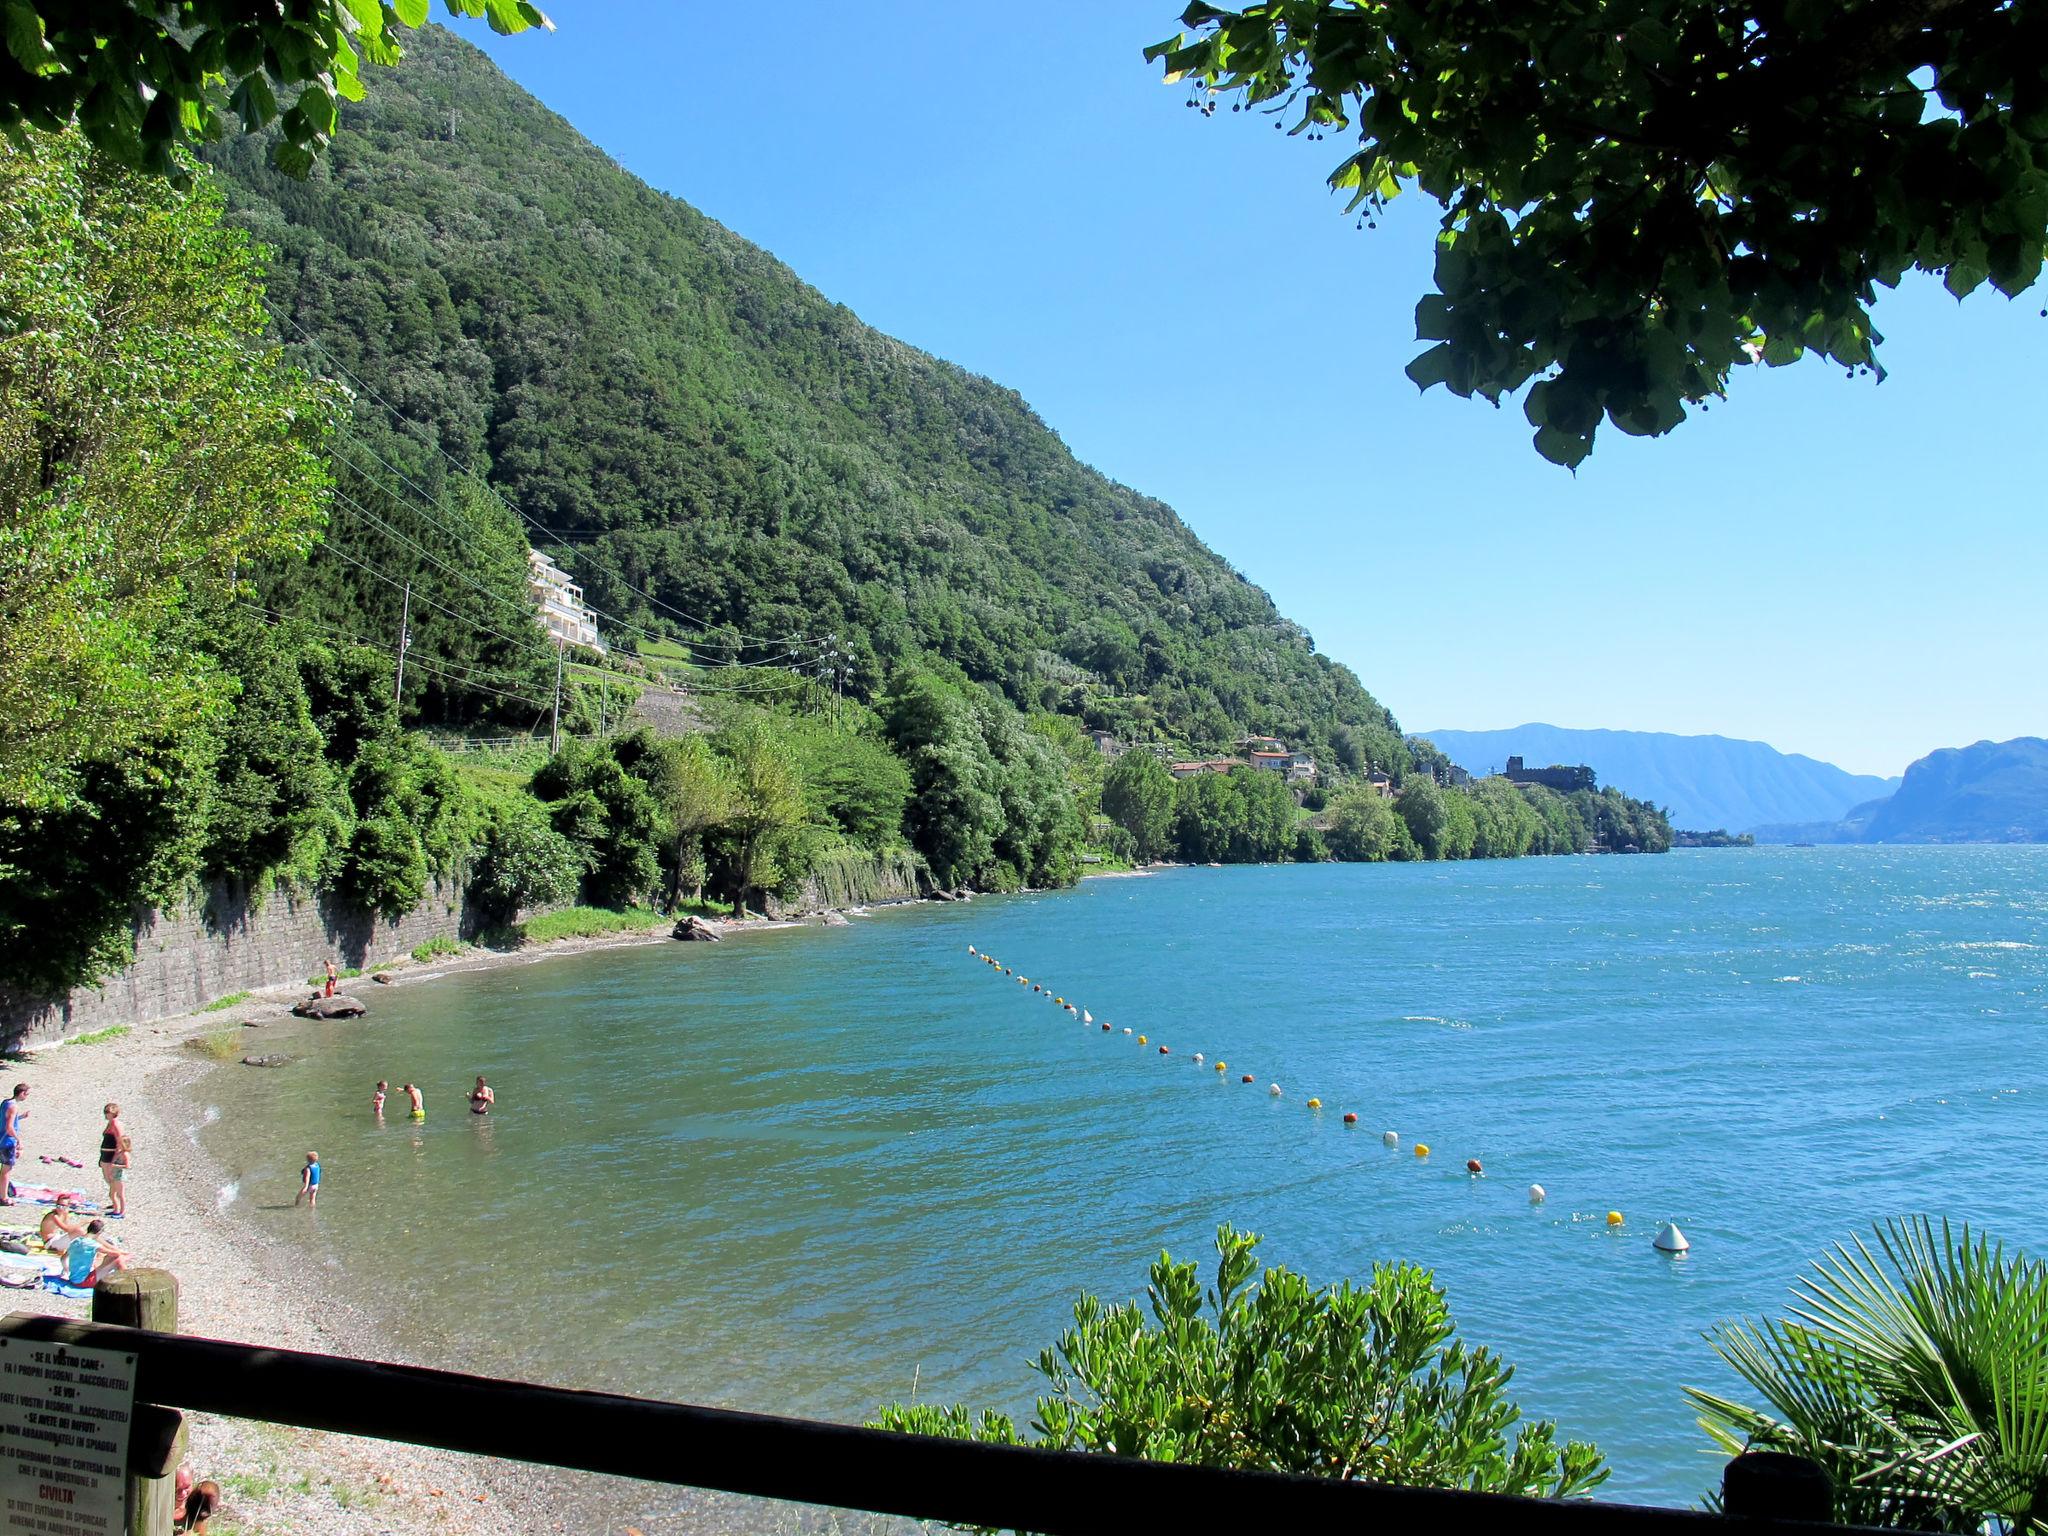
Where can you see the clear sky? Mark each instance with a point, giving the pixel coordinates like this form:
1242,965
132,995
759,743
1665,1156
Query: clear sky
1849,570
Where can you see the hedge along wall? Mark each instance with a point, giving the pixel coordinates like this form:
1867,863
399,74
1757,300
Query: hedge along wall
228,943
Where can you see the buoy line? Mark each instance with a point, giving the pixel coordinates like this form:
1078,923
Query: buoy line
1668,1240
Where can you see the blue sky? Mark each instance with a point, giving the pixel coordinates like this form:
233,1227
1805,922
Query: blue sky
1843,569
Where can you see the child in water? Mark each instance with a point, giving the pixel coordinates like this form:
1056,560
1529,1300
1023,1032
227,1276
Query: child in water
377,1099
419,1103
309,1181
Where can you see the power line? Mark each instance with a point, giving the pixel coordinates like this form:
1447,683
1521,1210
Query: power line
318,346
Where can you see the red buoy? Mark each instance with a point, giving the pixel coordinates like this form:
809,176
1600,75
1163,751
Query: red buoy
1472,1165
1164,1051
1246,1078
1350,1119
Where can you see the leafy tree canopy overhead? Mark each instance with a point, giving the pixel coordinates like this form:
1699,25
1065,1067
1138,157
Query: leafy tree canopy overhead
1642,195
144,78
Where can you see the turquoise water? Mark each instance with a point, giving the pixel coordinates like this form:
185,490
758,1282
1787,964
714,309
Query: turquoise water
805,1171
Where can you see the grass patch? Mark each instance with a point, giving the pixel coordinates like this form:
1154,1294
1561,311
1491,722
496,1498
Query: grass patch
710,906
344,974
100,1036
435,948
586,923
221,1045
232,1000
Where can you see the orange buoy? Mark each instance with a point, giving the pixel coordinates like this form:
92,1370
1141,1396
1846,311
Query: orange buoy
1164,1051
1105,1029
1472,1166
1246,1078
1350,1119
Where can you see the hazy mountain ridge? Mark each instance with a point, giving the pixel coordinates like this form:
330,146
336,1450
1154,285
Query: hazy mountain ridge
1703,781
1988,792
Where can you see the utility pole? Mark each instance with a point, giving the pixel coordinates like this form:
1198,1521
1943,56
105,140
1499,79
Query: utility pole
555,724
404,642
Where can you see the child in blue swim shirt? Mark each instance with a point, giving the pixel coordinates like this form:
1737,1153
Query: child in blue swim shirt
309,1181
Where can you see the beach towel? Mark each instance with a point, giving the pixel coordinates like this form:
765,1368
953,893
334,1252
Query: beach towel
70,1292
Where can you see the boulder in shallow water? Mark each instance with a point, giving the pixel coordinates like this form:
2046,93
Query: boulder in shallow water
833,919
272,1060
382,978
335,1007
697,928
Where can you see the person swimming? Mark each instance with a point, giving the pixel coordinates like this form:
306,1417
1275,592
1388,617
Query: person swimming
377,1098
481,1098
419,1104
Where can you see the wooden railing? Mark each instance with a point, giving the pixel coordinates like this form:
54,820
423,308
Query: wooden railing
957,1482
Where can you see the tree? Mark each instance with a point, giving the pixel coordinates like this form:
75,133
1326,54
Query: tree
1361,826
151,445
1641,196
147,79
1137,794
693,792
1349,1382
767,803
1917,1375
1422,810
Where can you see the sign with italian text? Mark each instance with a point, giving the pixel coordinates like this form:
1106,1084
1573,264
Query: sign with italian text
65,1416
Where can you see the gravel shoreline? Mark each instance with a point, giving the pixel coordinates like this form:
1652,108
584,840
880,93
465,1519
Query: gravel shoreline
239,1284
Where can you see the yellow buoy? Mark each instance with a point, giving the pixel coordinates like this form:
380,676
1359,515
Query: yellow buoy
1315,1103
1141,1039
1221,1065
1614,1218
1422,1149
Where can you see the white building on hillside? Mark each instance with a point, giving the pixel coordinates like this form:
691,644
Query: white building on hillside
562,613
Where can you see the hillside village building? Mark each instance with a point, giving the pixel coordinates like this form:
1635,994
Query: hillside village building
562,613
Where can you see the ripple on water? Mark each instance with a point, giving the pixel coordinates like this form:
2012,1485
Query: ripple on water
794,1171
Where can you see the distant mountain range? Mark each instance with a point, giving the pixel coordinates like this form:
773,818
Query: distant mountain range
1705,782
1993,792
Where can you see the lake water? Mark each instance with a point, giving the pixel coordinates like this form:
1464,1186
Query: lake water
814,1170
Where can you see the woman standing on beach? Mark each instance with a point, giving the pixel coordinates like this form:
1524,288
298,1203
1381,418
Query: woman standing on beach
114,1162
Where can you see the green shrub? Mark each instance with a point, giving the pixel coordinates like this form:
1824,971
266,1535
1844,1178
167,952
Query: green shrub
220,1045
525,862
386,869
434,948
232,1000
100,1036
1350,1382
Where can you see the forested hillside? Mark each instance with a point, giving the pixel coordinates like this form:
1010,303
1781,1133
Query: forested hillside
724,456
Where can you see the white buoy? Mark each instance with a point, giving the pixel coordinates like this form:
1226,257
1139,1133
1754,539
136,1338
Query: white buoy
1390,1138
1200,1058
1273,1089
1669,1239
970,949
1127,1031
1537,1194
1087,1017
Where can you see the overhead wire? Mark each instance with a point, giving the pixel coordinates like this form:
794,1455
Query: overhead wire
365,387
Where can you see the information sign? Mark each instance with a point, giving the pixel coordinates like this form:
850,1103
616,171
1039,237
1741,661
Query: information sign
65,1416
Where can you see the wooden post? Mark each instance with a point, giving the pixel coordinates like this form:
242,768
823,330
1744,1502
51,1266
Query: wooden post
1775,1485
147,1299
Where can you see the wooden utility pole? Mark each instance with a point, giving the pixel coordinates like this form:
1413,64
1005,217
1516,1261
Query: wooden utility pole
555,726
404,643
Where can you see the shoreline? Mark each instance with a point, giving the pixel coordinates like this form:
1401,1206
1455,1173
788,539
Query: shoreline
239,1283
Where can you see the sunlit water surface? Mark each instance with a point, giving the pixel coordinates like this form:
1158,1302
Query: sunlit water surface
808,1171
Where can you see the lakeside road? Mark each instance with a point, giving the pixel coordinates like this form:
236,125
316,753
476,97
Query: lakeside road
241,1284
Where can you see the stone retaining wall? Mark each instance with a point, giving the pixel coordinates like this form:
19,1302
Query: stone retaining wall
226,944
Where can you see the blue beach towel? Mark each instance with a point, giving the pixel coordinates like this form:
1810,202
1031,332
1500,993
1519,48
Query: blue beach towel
71,1292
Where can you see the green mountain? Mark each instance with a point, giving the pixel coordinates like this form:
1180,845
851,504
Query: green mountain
1991,792
727,459
1702,781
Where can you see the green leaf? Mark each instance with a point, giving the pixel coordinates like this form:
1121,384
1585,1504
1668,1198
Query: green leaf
1432,367
1433,318
1963,277
1566,448
25,39
255,103
411,13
